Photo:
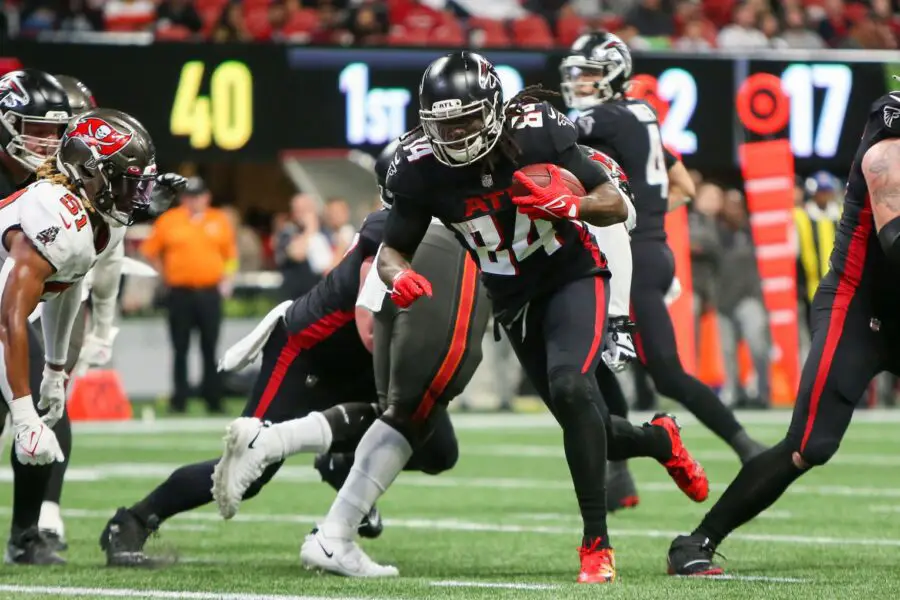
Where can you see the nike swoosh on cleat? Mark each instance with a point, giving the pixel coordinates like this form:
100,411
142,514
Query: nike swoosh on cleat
255,437
327,553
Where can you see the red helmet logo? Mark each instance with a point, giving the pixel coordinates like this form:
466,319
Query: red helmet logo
100,135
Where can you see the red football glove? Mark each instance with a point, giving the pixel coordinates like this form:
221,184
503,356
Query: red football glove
549,203
409,286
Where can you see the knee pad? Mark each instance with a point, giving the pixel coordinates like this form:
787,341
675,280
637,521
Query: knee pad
267,476
437,459
571,390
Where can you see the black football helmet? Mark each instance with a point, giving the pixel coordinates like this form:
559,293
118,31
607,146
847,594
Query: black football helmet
596,70
461,107
34,110
80,97
383,166
110,157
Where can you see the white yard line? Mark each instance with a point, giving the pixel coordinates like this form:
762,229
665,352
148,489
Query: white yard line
495,584
464,421
142,471
470,526
762,578
140,593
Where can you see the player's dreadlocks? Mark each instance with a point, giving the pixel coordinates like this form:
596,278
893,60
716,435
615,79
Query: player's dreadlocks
50,172
514,107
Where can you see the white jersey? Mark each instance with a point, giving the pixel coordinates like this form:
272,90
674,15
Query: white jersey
56,222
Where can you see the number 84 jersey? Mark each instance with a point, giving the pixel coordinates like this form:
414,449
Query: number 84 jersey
57,224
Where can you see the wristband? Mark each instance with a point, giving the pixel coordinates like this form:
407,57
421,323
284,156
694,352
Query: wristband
22,409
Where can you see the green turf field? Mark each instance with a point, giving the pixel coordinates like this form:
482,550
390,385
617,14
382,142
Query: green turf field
503,524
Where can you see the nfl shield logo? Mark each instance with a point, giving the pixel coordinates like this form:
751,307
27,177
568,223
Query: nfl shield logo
487,181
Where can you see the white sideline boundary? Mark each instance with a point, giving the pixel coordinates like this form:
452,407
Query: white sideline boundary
136,593
495,585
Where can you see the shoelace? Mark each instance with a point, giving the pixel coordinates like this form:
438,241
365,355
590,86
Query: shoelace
598,557
707,548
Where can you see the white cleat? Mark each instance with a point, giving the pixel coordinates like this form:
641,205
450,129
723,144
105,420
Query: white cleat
249,449
341,557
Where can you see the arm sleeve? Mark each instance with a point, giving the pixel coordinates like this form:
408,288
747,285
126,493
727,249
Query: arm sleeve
330,304
56,320
105,290
406,225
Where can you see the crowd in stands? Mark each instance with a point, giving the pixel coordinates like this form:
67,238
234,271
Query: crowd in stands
692,25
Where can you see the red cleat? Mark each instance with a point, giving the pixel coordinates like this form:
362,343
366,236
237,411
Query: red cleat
598,565
687,472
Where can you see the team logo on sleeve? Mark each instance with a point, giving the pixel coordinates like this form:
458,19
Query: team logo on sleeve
47,236
12,94
99,135
890,115
586,124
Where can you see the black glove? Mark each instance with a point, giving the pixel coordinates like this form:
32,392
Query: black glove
168,187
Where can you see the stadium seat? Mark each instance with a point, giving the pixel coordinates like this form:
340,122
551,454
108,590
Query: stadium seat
302,21
718,11
173,33
257,19
402,36
494,33
532,31
447,35
569,28
202,5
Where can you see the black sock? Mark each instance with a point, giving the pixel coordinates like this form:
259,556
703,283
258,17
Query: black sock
334,468
348,422
63,431
758,485
612,392
630,441
29,487
187,488
577,404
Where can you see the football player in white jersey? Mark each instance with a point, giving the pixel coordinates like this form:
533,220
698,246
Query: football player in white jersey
53,232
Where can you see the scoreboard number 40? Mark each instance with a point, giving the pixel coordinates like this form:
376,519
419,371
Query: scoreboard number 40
223,118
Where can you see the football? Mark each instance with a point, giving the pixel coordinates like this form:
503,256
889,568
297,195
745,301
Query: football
540,174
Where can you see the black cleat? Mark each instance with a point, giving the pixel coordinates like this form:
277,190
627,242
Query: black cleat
693,555
31,548
371,526
123,540
620,489
56,541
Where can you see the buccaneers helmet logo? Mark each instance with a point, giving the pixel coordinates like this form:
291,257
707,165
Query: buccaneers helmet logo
100,135
12,93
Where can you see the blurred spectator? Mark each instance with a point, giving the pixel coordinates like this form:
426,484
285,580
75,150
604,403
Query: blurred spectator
337,227
369,24
277,14
231,26
796,34
741,305
81,15
249,246
705,246
651,19
631,36
302,251
742,34
178,12
833,28
129,15
771,28
816,223
693,38
868,32
502,10
416,15
37,15
193,246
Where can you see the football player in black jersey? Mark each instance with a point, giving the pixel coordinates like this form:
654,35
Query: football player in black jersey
595,77
34,111
543,270
855,333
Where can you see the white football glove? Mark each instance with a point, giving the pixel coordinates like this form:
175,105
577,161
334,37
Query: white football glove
618,348
674,292
34,443
97,351
53,395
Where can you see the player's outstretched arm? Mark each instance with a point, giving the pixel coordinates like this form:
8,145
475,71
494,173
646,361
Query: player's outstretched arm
681,185
403,232
881,169
21,295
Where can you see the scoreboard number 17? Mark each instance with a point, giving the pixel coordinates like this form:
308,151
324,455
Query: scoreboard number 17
224,117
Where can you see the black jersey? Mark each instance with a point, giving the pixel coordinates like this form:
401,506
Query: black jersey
628,131
321,323
856,247
519,258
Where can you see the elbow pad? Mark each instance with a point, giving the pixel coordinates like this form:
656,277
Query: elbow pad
889,237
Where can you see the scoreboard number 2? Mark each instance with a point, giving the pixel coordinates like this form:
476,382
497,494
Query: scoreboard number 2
223,118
